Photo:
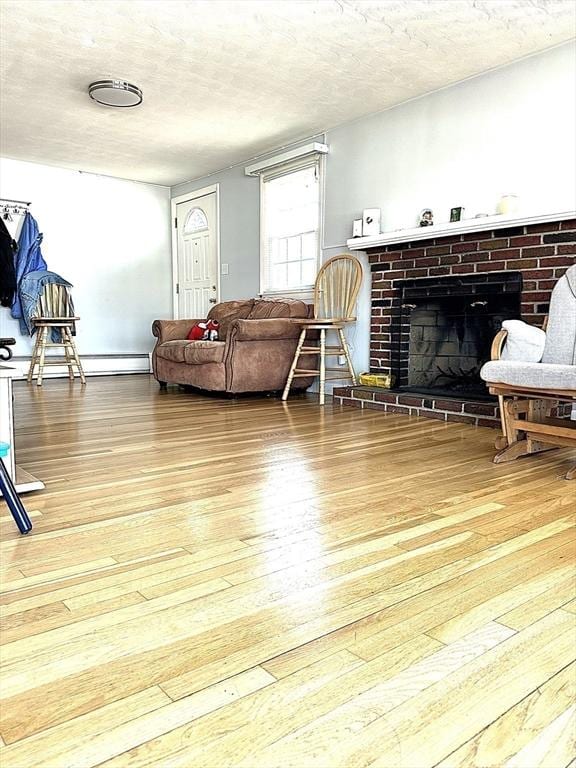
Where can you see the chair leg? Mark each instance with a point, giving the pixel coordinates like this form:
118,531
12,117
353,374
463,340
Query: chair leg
34,358
322,365
13,501
294,364
344,344
501,442
76,355
43,342
68,356
518,444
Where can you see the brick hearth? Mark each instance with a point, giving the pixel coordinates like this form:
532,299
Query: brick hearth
541,252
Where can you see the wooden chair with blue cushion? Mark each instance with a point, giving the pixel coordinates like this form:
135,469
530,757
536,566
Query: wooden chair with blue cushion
532,372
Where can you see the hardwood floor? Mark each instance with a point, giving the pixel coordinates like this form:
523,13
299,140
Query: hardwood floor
216,583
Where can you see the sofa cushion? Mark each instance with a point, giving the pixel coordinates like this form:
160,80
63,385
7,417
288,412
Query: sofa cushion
199,352
544,376
267,308
228,311
173,350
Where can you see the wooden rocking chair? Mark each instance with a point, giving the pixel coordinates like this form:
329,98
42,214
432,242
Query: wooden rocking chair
532,372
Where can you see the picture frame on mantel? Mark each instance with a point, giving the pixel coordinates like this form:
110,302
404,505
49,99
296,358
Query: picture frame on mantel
371,222
357,228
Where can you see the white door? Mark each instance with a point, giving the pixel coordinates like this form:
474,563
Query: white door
197,279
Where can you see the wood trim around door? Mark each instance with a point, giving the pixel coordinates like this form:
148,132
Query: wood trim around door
184,199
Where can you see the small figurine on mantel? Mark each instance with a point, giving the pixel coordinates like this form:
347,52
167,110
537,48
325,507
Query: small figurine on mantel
426,218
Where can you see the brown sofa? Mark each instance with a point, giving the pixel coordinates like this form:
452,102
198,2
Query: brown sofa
257,340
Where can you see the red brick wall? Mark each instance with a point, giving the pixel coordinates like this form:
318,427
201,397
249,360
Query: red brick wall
542,252
443,409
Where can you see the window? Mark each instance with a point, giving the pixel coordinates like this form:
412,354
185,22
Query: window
290,223
196,221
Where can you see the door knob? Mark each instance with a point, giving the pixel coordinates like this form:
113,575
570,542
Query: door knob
212,301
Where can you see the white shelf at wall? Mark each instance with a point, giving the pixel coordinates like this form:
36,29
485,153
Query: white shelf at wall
485,223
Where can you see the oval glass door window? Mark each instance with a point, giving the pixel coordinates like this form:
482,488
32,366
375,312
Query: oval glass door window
196,221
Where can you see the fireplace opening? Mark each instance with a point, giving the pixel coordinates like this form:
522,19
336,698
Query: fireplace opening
446,330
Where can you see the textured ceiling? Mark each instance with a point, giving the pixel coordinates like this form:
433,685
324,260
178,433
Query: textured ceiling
225,80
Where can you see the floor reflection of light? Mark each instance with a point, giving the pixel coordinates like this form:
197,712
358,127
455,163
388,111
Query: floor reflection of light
292,527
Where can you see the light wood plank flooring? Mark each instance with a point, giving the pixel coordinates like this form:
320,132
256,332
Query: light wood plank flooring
216,583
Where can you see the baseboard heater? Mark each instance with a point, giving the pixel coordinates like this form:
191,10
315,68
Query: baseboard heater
94,365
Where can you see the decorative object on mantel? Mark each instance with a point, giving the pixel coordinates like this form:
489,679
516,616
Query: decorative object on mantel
371,222
449,229
457,214
508,204
384,380
480,215
426,218
357,228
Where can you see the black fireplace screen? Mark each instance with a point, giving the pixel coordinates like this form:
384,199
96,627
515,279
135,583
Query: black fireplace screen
446,328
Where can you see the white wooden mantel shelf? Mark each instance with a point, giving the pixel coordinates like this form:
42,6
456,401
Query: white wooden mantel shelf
448,229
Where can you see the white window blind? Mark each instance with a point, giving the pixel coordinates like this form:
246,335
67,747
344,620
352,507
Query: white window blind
290,223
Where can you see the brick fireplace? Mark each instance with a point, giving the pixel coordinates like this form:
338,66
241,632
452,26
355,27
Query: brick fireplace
435,302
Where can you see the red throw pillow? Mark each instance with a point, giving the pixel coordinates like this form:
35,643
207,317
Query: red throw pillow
206,330
197,331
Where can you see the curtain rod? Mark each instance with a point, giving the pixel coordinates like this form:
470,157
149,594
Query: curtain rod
7,200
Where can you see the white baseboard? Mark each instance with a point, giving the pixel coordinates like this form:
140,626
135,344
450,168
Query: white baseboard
94,365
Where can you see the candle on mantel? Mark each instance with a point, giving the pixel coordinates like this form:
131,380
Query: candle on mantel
508,204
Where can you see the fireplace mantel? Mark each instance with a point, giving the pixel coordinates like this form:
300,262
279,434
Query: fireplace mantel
453,228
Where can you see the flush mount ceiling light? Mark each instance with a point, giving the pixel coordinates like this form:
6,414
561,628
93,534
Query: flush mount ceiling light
115,93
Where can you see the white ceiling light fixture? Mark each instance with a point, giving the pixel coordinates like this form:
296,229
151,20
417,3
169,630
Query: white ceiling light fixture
115,93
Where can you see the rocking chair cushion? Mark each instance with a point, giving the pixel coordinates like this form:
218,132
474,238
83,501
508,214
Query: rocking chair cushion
561,331
545,376
523,342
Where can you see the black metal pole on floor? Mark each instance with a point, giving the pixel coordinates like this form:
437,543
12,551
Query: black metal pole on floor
13,500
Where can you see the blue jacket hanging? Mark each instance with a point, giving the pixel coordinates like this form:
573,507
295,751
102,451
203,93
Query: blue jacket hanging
28,258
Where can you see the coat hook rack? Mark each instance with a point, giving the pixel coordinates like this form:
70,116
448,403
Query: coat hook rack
13,207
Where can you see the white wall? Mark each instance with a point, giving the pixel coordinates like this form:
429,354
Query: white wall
511,130
111,239
508,131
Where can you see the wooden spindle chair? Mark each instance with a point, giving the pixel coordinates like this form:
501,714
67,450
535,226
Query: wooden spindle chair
55,312
335,293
